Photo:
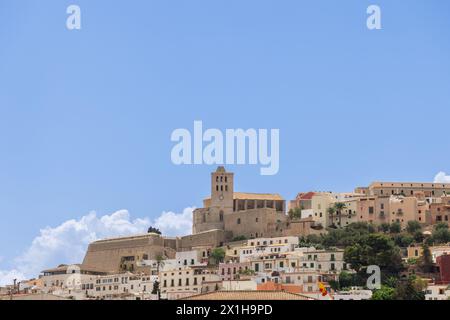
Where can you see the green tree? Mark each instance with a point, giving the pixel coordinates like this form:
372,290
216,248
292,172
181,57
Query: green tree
295,213
403,240
441,225
355,256
374,249
384,227
418,236
351,234
410,289
247,272
413,226
440,234
347,279
218,254
426,260
153,230
339,206
155,289
331,212
395,227
313,239
384,293
239,238
159,262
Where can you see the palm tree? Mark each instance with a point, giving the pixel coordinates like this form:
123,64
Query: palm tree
218,254
331,211
159,262
339,206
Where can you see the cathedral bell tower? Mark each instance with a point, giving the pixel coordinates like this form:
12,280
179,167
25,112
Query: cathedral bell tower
222,190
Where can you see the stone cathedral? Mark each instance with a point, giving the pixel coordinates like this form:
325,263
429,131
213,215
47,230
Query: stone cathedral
251,215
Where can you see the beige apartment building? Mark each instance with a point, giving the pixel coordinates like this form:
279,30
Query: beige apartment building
403,209
416,251
440,210
324,261
363,208
119,286
406,189
308,280
66,278
182,282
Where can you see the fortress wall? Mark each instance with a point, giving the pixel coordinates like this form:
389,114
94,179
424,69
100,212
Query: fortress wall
106,255
213,238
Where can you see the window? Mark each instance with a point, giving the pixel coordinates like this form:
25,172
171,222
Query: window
239,221
370,210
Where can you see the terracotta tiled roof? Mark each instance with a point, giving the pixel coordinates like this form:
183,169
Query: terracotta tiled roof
257,196
272,286
248,295
306,196
250,196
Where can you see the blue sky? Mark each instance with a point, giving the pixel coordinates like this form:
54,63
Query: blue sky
86,116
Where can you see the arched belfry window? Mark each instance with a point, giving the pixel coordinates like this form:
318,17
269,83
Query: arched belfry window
221,215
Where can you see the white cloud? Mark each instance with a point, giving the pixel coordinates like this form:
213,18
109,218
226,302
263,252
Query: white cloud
67,243
174,224
7,277
442,177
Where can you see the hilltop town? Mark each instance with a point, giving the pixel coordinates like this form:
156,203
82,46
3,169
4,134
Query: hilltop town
259,246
